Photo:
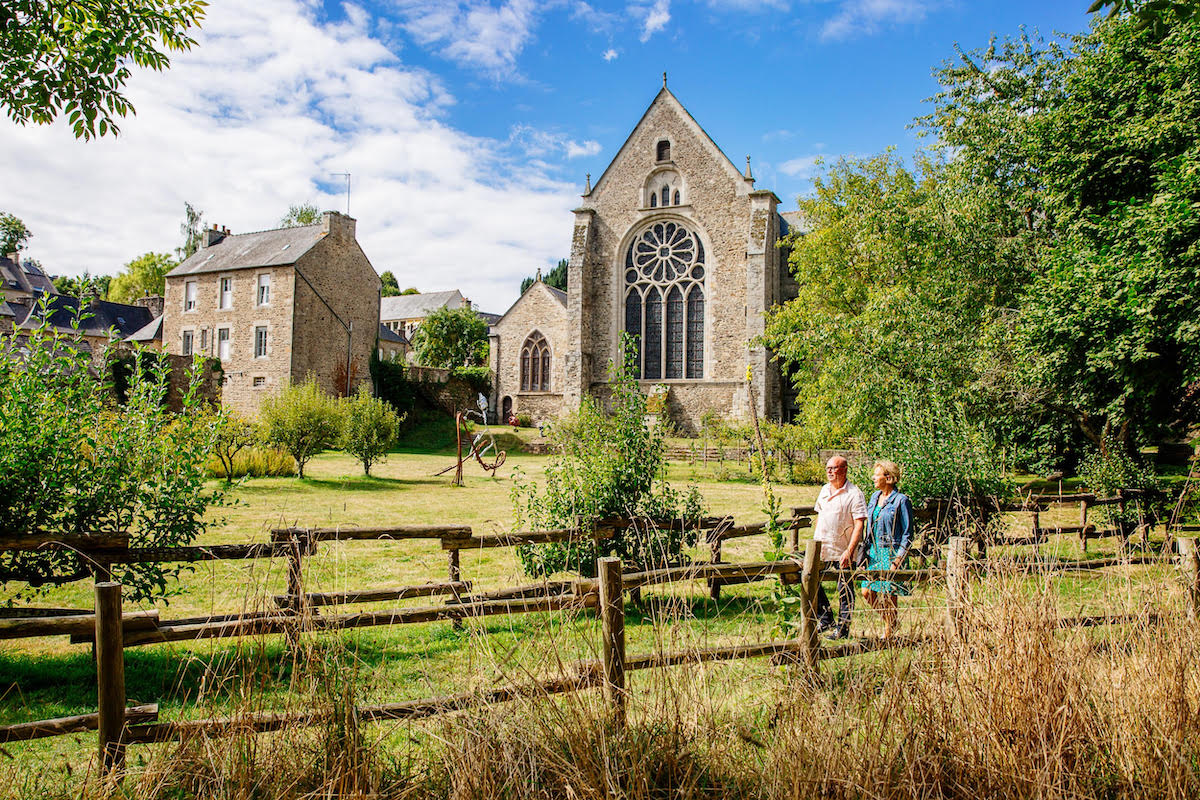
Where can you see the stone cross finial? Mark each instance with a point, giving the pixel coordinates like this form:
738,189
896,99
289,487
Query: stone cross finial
587,189
664,80
748,176
538,279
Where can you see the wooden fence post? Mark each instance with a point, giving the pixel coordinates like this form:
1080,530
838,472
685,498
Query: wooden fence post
1083,515
1122,524
1189,561
957,590
454,570
110,678
612,618
810,584
795,537
714,584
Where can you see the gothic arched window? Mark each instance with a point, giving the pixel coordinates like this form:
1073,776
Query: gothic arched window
654,199
666,195
676,197
535,364
664,301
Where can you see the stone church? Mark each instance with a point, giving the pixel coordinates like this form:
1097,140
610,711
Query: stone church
675,246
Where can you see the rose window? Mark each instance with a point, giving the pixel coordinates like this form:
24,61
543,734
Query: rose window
664,301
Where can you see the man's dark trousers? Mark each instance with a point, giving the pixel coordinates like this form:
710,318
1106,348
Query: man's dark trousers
845,591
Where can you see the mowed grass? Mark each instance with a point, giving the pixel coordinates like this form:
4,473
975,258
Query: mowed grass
49,677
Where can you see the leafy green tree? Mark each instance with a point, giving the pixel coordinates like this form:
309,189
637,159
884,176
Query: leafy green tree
145,275
192,229
13,234
390,287
369,429
303,214
556,277
73,465
301,420
452,337
233,435
74,58
79,285
411,290
1098,142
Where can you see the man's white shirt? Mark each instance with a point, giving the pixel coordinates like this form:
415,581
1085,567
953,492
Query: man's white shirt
836,511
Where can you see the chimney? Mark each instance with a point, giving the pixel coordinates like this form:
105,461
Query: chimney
153,302
333,223
212,236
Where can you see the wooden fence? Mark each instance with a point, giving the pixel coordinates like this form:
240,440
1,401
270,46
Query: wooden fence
113,630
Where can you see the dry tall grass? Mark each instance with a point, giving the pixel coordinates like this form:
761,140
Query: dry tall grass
1020,709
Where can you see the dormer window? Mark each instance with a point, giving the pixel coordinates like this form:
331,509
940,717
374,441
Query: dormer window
663,151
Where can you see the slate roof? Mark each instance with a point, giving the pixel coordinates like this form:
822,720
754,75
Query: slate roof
559,294
24,277
274,248
61,311
386,334
489,318
150,332
416,306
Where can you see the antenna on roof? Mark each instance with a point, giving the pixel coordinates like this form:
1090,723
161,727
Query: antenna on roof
345,175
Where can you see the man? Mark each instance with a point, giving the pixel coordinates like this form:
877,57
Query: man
841,514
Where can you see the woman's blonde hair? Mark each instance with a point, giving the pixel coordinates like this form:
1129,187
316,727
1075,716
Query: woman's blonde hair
890,470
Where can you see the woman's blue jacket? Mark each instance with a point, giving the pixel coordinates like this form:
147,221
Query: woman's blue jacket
894,527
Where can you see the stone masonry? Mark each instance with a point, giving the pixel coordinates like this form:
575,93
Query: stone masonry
540,309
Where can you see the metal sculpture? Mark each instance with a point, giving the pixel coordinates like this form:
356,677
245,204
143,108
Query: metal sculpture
481,444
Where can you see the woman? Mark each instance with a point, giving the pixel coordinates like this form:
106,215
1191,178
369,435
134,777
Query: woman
889,515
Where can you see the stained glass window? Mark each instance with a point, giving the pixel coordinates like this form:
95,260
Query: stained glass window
535,364
665,266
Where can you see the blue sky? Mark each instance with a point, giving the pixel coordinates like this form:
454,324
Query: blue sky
468,127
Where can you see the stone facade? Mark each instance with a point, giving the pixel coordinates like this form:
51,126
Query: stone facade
309,270
540,310
669,179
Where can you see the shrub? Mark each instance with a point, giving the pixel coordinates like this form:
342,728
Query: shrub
608,464
302,420
524,421
369,428
72,464
258,461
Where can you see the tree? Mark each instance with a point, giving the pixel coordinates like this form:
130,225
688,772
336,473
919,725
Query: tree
411,290
1102,136
77,286
302,420
73,465
452,337
390,287
556,277
192,229
304,214
370,427
74,58
13,234
145,275
233,435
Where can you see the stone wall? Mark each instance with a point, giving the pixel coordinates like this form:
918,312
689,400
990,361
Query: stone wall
241,367
340,273
537,310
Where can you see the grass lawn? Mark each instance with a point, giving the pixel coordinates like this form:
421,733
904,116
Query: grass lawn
44,678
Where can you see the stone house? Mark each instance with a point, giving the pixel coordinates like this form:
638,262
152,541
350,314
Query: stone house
22,283
404,313
675,246
93,325
277,306
527,368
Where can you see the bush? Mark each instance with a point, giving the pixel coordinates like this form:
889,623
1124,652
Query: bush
369,428
608,464
302,420
72,464
258,461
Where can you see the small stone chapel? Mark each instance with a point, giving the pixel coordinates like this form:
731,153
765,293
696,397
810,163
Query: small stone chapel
674,245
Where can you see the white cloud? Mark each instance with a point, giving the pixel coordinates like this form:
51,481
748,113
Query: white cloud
865,17
748,5
609,54
652,17
260,116
536,143
598,21
473,32
800,167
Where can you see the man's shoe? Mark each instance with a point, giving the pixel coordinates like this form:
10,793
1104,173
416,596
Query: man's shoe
824,626
838,633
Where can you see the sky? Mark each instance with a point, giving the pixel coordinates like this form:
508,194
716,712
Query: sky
467,127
